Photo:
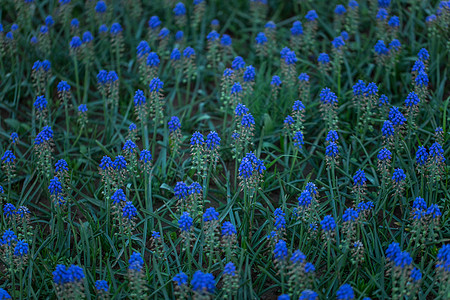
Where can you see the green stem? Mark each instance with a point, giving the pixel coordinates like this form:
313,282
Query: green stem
77,79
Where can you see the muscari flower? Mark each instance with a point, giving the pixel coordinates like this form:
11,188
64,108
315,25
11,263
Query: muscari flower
328,223
297,28
102,285
185,222
261,38
280,252
345,292
359,178
323,58
340,9
311,15
203,283
136,263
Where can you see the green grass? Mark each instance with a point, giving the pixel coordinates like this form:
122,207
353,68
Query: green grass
85,235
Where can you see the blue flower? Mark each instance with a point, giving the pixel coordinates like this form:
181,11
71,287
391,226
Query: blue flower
311,15
421,79
384,100
384,154
309,267
103,28
276,81
119,163
49,21
350,215
101,285
345,292
181,190
112,77
280,252
60,275
156,85
443,257
8,157
387,129
55,186
43,29
63,86
100,7
145,156
236,88
304,77
228,229
430,18
261,38
212,140
328,223
283,297
188,52
384,3
119,196
185,222
344,35
395,45
102,77
398,175
371,89
396,117
308,295
434,211
423,54
394,21
402,259
213,36
238,63
197,139
226,40
154,22
249,74
380,48
76,272
75,42
74,23
215,22
323,58
180,279
247,120
41,103
174,124
332,136
203,282
270,25
106,163
116,29
297,28
289,120
129,146
179,35
139,98
129,211
363,206
419,204
175,55
437,153
230,269
382,14
61,166
4,294
338,42
180,9
418,66
359,178
412,100
298,106
328,97
332,150
416,275
195,188
210,215
33,40
8,237
21,248
305,198
9,210
142,49
290,58
340,9
136,263
298,139
297,257
153,59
